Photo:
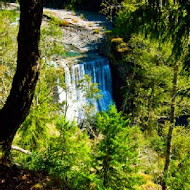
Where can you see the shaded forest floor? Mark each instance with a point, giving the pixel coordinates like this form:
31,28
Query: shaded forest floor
22,179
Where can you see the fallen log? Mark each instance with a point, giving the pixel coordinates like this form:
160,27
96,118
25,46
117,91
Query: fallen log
20,149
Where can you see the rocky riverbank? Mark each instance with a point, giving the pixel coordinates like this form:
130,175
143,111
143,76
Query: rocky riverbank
85,30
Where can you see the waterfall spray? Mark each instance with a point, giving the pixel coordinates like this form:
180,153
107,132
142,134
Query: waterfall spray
74,95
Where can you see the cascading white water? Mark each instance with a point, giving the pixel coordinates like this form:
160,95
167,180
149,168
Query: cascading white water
75,97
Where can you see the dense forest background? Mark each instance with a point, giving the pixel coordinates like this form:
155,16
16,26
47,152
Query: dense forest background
71,4
141,142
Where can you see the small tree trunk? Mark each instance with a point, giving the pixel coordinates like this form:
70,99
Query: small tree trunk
106,168
150,110
24,82
6,147
172,124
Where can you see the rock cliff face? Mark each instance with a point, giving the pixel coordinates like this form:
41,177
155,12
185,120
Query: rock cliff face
117,71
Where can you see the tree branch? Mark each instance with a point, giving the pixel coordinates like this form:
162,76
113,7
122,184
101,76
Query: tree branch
20,149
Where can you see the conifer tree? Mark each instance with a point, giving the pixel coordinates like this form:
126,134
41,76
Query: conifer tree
115,153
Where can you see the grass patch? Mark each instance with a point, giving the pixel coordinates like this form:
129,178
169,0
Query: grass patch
55,20
97,31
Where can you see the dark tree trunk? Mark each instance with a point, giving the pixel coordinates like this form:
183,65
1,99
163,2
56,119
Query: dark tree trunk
24,82
172,124
106,168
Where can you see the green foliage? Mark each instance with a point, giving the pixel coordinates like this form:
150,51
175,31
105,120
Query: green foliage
179,174
90,89
147,75
165,22
82,16
146,68
8,51
67,156
110,8
90,92
81,163
109,160
115,154
180,145
44,109
51,42
55,20
93,5
34,129
83,4
149,40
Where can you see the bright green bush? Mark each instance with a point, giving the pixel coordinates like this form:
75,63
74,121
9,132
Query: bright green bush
179,174
115,153
68,156
8,51
180,143
44,109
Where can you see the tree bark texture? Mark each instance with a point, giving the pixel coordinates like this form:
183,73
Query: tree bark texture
24,82
106,168
172,124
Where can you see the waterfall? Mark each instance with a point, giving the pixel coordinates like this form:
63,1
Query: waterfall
75,96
